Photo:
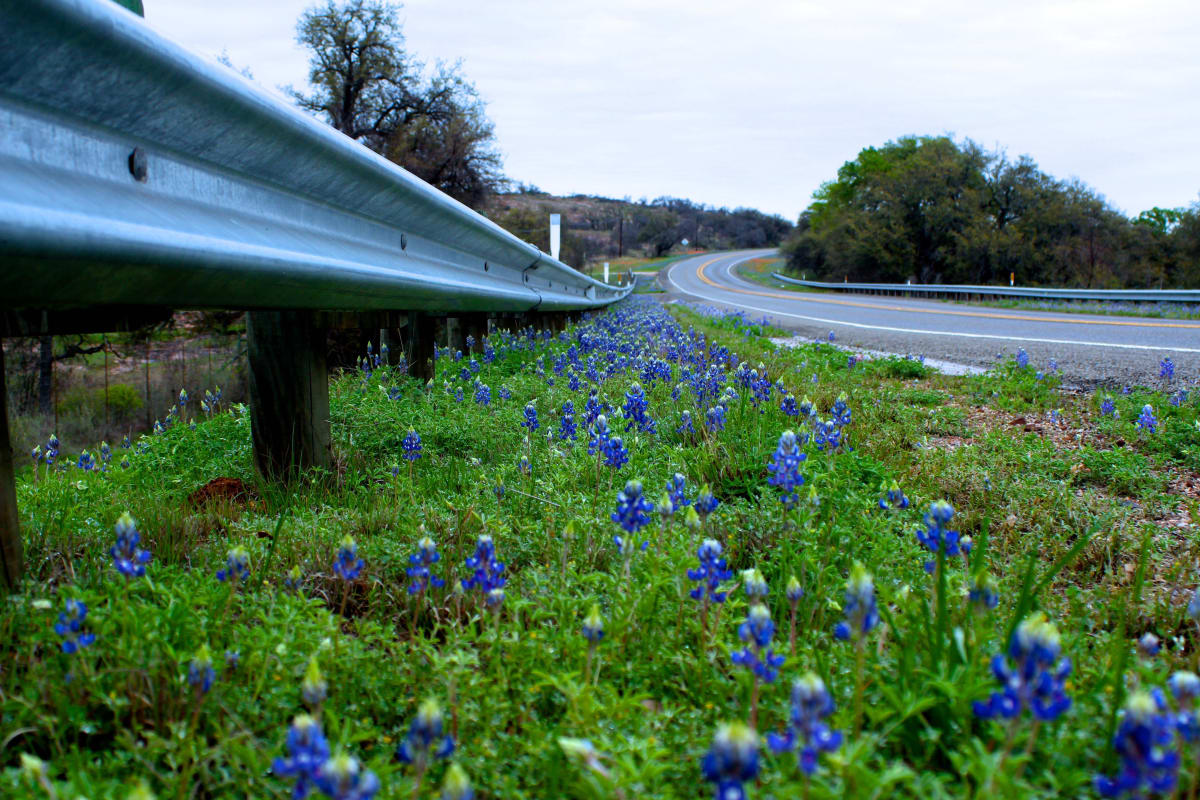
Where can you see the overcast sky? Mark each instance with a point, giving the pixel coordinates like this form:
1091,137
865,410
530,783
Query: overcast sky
757,103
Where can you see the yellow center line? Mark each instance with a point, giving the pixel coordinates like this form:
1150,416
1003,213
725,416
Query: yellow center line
883,307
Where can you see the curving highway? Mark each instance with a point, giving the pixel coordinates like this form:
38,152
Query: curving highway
1088,348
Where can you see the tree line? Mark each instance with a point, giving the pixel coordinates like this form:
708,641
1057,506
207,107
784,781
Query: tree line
932,210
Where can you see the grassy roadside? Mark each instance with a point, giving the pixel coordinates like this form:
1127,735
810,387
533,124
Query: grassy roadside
1079,515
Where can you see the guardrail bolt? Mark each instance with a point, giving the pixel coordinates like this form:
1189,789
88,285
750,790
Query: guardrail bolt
137,164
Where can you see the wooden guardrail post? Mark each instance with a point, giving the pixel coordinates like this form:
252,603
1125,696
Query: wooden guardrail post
289,392
420,344
475,325
10,528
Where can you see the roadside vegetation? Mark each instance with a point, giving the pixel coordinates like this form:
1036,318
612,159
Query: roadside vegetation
659,555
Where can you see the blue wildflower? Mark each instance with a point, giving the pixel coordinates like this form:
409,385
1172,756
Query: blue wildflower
456,785
634,410
483,393
755,585
785,469
1034,679
633,509
685,424
705,502
860,609
531,418
346,564
1146,421
788,405
757,631
343,778
593,625
1022,358
129,559
425,741
714,418
731,761
412,445
566,423
677,489
426,556
307,751
984,594
1166,369
70,627
237,565
808,734
1145,743
200,670
936,536
1108,408
523,466
52,447
1148,644
313,687
486,573
86,462
505,393
893,498
710,574
615,453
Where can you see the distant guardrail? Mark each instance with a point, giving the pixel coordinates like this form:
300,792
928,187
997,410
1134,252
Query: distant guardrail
137,178
967,290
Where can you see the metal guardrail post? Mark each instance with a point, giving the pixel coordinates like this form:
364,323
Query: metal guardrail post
10,529
289,392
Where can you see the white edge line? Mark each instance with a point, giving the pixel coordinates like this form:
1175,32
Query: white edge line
826,321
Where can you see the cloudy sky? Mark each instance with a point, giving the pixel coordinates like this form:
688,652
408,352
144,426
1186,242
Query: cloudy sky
755,104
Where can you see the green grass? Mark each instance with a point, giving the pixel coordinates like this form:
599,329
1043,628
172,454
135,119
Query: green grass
1050,523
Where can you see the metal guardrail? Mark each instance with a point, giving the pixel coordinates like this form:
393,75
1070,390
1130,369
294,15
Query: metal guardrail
1129,295
133,172
136,177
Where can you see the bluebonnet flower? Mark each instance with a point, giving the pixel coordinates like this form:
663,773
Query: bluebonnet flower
1039,375
710,574
486,573
183,400
666,509
483,394
473,366
237,565
531,418
1166,369
984,593
412,445
807,409
36,454
1052,366
494,598
685,423
505,393
714,418
893,498
70,627
593,625
458,354
573,381
839,413
1107,407
827,435
426,740
313,688
1145,742
307,751
808,734
106,455
1148,644
426,556
233,658
1022,358
52,446
731,761
794,593
755,585
126,444
1185,687
616,454
1179,398
343,778
456,785
346,564
634,410
523,466
677,489
498,489
566,423
632,514
859,608
129,559
458,394
1146,420
757,631
200,670
705,502
86,462
785,469
831,336
788,405
936,536
1034,679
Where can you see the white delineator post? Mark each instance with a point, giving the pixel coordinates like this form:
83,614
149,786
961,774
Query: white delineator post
555,234
606,272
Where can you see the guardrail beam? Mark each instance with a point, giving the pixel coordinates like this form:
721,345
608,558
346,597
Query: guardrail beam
10,527
289,392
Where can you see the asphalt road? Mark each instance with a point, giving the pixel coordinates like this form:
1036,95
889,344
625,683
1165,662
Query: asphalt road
1090,349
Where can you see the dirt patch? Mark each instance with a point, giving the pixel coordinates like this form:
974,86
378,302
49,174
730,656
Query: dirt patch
230,491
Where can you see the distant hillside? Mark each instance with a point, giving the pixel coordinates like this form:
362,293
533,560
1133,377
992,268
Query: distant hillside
600,228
